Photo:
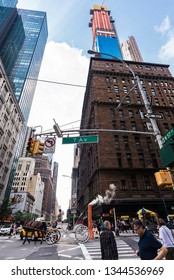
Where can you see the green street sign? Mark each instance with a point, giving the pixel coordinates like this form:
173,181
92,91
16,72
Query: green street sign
167,154
80,139
168,136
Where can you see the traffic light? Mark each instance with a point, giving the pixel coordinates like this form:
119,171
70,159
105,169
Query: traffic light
30,145
38,148
111,212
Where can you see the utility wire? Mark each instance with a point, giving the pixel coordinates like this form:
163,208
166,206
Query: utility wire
45,81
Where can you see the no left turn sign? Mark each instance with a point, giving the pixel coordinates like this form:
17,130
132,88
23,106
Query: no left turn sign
50,142
49,145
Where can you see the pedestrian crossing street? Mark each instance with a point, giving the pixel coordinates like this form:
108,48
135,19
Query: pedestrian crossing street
124,250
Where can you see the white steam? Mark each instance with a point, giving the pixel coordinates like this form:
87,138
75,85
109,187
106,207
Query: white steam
109,194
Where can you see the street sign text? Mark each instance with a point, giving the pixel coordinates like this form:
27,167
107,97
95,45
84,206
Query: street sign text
168,136
80,139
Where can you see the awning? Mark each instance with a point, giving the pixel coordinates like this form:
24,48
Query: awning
143,211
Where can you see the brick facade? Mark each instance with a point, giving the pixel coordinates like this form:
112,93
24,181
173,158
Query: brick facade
129,160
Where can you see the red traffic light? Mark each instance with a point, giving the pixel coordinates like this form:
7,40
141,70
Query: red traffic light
30,145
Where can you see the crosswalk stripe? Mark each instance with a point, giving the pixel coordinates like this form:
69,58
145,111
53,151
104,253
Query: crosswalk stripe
124,250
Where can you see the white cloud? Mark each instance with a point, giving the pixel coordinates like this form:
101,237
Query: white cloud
64,64
164,26
167,51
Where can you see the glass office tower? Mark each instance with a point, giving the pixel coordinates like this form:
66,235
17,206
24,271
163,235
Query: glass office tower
21,52
8,12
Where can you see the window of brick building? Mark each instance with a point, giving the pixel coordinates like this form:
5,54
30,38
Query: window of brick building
147,182
141,158
123,124
114,124
125,89
116,89
127,99
108,89
119,159
129,159
118,98
112,110
154,161
130,113
137,141
134,127
134,185
123,185
126,141
116,138
120,113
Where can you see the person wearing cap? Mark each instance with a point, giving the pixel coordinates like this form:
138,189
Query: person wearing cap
149,247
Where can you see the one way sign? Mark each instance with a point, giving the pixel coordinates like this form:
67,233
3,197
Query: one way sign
154,116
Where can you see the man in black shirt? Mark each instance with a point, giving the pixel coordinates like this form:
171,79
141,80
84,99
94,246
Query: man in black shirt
108,243
148,244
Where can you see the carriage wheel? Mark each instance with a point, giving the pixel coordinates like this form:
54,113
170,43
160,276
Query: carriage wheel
52,236
57,235
82,234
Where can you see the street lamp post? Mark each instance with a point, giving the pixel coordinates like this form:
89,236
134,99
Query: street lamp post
147,105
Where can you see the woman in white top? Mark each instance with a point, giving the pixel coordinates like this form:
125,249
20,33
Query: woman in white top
166,236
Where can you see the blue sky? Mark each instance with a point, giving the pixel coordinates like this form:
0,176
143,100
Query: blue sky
68,22
65,59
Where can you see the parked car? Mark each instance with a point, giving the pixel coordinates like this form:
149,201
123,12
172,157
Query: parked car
5,230
18,229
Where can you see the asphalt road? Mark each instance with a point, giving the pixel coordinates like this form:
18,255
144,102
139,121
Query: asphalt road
14,249
66,249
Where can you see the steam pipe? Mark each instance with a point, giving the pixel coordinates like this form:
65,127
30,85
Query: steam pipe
91,234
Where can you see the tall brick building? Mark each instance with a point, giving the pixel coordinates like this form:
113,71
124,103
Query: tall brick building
128,160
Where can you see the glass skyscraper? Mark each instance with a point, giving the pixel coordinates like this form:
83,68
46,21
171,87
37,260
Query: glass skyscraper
21,51
8,12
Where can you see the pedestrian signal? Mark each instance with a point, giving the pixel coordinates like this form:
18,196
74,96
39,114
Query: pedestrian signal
164,178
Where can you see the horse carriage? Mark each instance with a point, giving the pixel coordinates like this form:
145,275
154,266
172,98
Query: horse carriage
39,229
36,229
81,233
